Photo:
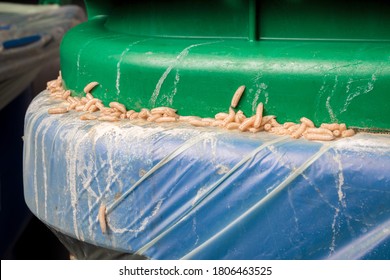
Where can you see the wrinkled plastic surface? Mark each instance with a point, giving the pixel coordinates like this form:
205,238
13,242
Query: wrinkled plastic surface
325,60
179,192
29,38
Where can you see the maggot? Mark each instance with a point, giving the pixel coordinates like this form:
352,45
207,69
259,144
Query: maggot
89,96
319,130
154,117
307,122
217,123
108,118
221,116
164,110
129,113
298,133
319,137
280,130
90,86
255,130
247,123
66,94
232,125
259,115
188,118
288,124
88,116
58,110
144,114
330,126
102,218
200,123
119,106
90,103
166,119
230,117
348,133
267,119
237,96
337,133
240,117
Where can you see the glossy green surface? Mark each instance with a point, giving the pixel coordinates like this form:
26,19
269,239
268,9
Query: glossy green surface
192,55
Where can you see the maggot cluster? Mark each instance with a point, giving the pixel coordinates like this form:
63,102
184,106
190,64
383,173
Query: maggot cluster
231,120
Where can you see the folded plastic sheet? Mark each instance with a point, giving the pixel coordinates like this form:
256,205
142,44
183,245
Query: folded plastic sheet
178,192
29,37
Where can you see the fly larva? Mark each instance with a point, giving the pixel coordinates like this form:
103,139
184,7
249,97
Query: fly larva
89,96
230,117
298,133
221,116
275,123
144,114
79,108
330,126
319,130
247,123
337,133
88,117
267,119
122,116
120,107
129,113
240,117
71,99
90,86
237,96
102,218
288,124
188,118
153,117
280,130
58,110
342,127
201,123
99,105
166,119
93,108
294,127
134,116
210,120
348,133
217,123
163,110
232,125
307,122
90,103
318,137
116,114
107,111
72,106
259,115
267,127
255,130
66,94
84,100
108,118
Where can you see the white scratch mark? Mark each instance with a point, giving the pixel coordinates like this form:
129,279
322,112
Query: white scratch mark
360,90
330,110
334,232
179,57
259,89
144,223
118,65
